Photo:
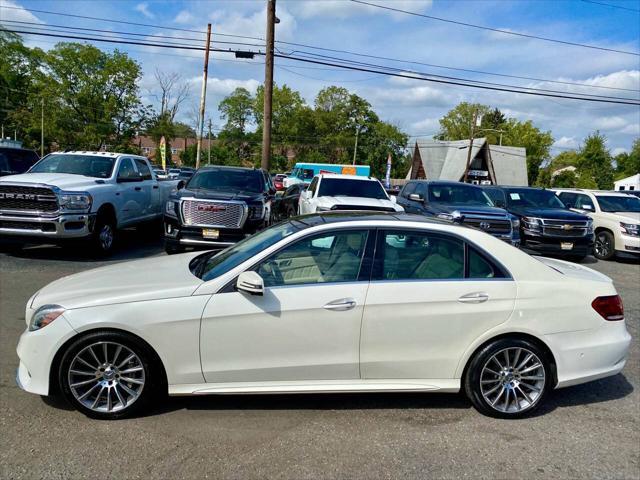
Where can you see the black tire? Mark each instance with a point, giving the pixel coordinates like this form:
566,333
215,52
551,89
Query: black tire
152,375
604,247
104,235
511,385
291,212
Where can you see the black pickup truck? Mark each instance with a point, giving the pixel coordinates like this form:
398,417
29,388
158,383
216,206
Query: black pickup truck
547,226
218,207
459,202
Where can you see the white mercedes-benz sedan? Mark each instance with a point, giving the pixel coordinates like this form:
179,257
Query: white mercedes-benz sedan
335,302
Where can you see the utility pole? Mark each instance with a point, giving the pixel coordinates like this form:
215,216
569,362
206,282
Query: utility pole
209,144
355,147
473,127
203,96
41,127
268,84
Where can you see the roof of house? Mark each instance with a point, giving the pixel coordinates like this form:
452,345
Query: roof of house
448,160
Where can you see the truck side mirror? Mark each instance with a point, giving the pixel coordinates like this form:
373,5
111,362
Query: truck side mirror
416,197
500,204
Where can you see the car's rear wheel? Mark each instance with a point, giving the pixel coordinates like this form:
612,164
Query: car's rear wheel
604,246
108,375
508,378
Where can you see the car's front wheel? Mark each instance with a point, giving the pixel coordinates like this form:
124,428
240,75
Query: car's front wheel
508,378
108,375
604,246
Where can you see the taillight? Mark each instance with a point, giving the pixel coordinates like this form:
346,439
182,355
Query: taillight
609,307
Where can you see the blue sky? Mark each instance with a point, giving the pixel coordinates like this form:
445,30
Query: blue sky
414,106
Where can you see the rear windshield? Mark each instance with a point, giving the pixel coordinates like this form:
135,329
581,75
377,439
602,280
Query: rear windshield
14,160
346,187
532,197
244,180
622,203
87,165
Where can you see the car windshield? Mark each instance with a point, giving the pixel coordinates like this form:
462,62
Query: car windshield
621,203
237,180
208,267
458,194
15,160
87,165
533,197
347,187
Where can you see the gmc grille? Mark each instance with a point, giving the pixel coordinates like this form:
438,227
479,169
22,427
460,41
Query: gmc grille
564,228
199,213
24,198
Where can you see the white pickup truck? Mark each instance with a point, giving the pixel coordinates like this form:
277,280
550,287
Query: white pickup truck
81,195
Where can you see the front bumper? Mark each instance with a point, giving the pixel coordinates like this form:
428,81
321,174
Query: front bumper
582,246
36,351
176,234
628,244
589,354
67,225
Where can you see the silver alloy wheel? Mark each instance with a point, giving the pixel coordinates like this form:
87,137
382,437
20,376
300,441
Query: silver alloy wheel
106,377
603,245
512,380
106,236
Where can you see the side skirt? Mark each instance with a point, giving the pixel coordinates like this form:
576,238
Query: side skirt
320,386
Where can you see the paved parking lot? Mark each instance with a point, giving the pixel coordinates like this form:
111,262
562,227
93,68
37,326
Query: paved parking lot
586,431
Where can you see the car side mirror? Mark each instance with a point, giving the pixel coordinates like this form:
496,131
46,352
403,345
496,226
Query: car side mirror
181,185
250,282
416,197
272,191
500,204
569,206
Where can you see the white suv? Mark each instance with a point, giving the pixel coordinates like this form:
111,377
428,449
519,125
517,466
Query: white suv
346,192
616,219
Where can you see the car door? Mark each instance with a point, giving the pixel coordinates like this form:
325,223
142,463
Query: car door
149,197
128,181
430,297
307,200
306,326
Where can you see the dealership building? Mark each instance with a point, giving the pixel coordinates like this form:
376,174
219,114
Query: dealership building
488,164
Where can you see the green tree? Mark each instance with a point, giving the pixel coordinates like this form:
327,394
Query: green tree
237,109
536,143
595,162
456,124
566,179
628,164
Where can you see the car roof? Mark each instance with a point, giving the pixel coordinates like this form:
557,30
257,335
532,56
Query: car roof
443,182
214,168
315,219
348,177
607,193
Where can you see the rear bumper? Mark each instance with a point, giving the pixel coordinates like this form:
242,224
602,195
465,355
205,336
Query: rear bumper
590,354
47,228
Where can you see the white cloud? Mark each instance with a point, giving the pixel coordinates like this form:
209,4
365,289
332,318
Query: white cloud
426,127
252,24
609,123
566,142
632,129
13,11
224,86
143,8
618,151
184,17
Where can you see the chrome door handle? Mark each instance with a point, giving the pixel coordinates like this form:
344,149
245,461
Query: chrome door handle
475,297
341,304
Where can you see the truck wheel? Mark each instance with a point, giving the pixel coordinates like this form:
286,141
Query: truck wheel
604,247
104,235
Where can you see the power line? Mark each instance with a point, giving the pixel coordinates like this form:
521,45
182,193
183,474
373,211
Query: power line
613,6
506,32
375,69
582,85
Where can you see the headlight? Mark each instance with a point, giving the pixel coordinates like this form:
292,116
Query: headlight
256,212
630,229
75,201
171,208
590,228
532,223
44,316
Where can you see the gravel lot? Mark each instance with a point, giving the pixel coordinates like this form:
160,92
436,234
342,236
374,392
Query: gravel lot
582,432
